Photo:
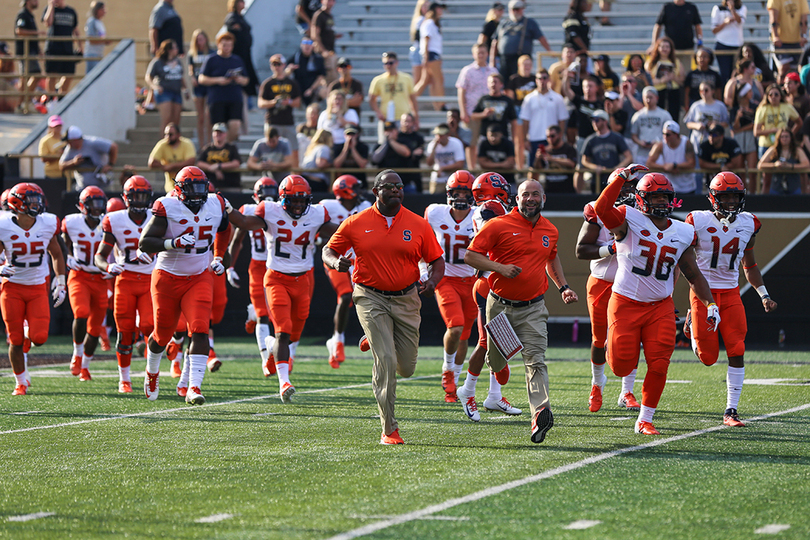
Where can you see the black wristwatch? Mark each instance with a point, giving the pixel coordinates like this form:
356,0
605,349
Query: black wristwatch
564,288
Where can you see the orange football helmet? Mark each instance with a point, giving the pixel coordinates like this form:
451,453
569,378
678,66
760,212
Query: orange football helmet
27,198
346,187
459,190
92,201
655,183
491,185
191,187
727,182
265,189
115,203
138,194
4,200
295,195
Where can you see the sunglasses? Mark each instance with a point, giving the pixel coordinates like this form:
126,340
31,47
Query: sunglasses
306,42
276,64
389,63
543,78
389,186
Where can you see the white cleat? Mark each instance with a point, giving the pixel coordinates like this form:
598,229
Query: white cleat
151,385
501,405
468,404
194,396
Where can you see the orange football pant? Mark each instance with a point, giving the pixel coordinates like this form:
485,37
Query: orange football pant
174,295
480,293
132,294
341,281
456,303
26,303
288,298
220,299
256,271
88,299
733,325
598,297
652,324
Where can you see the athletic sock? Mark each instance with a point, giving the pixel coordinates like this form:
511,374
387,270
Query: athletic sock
86,361
211,342
628,382
21,379
196,370
734,385
598,375
646,414
184,375
494,387
270,342
283,371
262,332
153,361
123,374
449,361
469,382
293,348
341,337
78,349
458,368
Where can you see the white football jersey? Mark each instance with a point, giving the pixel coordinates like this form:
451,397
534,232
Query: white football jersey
27,250
647,256
604,268
338,212
258,242
291,242
85,241
454,237
127,233
720,248
203,225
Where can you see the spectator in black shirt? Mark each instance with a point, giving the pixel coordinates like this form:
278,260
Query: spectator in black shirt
304,11
618,118
496,108
402,149
703,73
491,22
352,154
279,96
346,84
576,30
610,81
681,22
558,155
61,21
26,25
497,153
309,71
719,153
220,160
584,107
522,83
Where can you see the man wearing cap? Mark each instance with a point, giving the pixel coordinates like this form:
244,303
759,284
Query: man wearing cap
675,157
617,116
541,109
89,158
308,69
172,153
603,152
220,160
348,85
51,147
352,154
719,153
499,109
402,149
391,95
279,96
271,155
515,37
322,33
647,125
445,154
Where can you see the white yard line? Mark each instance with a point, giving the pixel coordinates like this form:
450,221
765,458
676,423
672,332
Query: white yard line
774,528
495,490
29,517
582,524
216,518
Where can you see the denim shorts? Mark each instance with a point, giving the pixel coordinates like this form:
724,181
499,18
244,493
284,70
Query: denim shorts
432,56
163,97
414,56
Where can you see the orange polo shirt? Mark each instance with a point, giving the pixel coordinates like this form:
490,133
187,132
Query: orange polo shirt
511,239
386,258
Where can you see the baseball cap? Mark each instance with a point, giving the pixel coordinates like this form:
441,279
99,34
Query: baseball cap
717,130
343,62
603,58
671,125
498,5
350,130
54,120
220,126
793,76
434,5
441,129
389,54
599,113
649,90
72,134
611,95
389,126
516,4
278,58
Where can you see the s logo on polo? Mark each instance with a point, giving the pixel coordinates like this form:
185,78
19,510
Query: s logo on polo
406,235
545,241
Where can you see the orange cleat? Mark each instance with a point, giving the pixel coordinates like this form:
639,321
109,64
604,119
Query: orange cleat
194,396
76,366
595,399
104,341
250,326
502,376
391,438
340,352
172,350
730,418
20,390
213,362
182,391
124,387
176,370
449,382
269,367
331,348
365,346
451,398
628,401
646,428
85,375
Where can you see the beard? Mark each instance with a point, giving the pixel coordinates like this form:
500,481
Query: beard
530,212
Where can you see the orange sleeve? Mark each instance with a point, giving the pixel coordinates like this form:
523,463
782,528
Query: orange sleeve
605,208
221,241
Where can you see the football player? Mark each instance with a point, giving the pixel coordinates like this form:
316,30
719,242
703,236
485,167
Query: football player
725,237
491,193
132,301
640,311
26,233
595,243
346,203
87,287
182,231
265,189
291,225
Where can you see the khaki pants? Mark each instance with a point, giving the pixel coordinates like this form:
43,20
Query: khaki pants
391,324
529,324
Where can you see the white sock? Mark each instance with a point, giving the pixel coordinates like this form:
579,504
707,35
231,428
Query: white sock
469,383
734,385
211,342
628,382
293,348
494,387
458,368
341,337
598,375
283,371
184,375
78,349
269,343
449,361
196,370
25,360
21,378
262,332
646,414
123,373
153,360
177,341
86,361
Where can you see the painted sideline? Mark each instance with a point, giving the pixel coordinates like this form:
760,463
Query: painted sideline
495,490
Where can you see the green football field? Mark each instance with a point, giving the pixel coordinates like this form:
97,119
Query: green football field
82,461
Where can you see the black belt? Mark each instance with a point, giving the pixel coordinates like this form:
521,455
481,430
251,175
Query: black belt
512,303
403,292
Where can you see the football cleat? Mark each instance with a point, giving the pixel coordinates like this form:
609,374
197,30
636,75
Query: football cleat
687,325
364,345
469,405
595,399
501,405
449,382
177,369
124,387
194,396
84,375
291,362
20,390
76,366
172,350
629,402
214,363
250,323
502,376
543,421
182,391
269,367
286,393
645,428
340,352
450,398
331,347
151,385
250,326
391,438
730,418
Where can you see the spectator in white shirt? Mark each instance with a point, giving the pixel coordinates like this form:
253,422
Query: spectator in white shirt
542,108
337,116
471,86
727,25
445,154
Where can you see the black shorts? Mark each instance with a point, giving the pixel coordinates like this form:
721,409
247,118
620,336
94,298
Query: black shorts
60,67
223,111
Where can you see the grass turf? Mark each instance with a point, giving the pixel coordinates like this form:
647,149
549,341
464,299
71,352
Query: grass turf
314,468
